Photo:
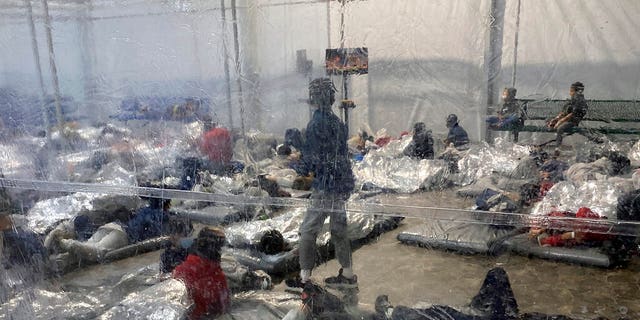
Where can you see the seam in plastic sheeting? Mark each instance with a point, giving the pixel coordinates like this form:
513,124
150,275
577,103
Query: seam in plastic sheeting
628,228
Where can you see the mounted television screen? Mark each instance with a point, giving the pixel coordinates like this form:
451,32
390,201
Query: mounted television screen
347,61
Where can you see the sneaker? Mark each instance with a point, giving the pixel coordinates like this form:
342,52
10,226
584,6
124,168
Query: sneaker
294,285
341,281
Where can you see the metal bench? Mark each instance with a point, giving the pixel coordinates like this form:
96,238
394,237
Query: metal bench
610,112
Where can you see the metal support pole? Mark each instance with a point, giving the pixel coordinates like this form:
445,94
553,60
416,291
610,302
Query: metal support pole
515,47
328,24
345,76
493,57
236,48
36,58
227,76
52,64
88,54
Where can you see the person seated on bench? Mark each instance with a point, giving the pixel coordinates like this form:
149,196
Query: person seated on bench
510,115
421,145
457,135
203,276
148,222
573,112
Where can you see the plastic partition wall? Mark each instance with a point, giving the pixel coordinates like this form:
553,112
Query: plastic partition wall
105,99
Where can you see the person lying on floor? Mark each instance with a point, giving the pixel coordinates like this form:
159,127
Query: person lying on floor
148,222
495,300
560,233
281,171
81,227
551,172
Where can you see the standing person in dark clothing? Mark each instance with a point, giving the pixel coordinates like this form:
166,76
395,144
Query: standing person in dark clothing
572,113
457,135
421,146
325,155
203,276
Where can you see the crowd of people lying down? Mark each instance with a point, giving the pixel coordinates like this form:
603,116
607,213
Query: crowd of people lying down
319,159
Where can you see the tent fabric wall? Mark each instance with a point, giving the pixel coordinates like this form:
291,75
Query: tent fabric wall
427,58
561,42
426,61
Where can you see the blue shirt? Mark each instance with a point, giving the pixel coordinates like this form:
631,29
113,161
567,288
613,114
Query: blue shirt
458,136
146,224
325,154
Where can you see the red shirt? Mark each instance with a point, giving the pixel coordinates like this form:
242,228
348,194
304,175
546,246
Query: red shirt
206,284
216,144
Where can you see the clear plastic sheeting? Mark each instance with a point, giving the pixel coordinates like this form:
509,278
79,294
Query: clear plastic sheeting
167,300
386,168
40,304
264,305
249,233
102,99
583,172
17,157
212,183
600,196
404,175
485,160
45,214
288,223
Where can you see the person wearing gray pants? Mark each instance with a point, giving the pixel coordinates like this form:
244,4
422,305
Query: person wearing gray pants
325,156
323,205
109,237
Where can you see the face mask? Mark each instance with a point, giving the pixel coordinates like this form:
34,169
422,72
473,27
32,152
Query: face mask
186,243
